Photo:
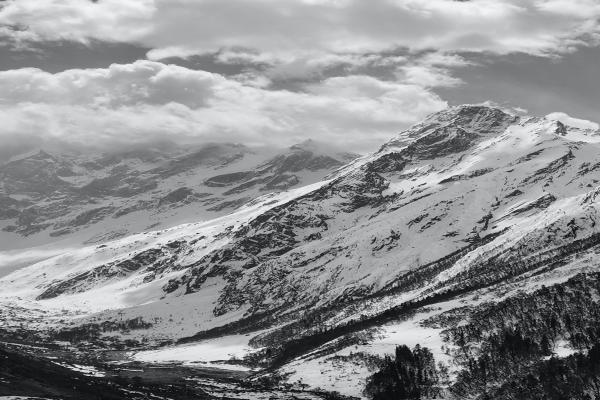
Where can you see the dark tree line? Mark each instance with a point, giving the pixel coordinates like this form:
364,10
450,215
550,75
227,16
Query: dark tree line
411,374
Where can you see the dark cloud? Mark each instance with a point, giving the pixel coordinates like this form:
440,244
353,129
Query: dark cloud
211,63
55,56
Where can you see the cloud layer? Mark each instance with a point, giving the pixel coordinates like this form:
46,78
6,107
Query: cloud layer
289,28
147,100
360,70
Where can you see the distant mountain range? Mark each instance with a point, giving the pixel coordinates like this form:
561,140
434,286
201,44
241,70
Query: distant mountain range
78,198
466,248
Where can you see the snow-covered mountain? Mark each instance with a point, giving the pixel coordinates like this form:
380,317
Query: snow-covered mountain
465,234
75,198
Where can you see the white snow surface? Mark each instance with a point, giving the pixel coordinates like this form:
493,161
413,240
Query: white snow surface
205,353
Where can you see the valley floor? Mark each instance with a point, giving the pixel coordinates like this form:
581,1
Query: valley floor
30,371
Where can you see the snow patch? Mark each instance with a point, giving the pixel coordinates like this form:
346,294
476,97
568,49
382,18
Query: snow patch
206,353
571,121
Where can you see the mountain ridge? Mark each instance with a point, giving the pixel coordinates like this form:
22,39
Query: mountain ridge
469,208
51,198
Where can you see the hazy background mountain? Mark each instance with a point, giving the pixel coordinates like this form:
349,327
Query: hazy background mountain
73,198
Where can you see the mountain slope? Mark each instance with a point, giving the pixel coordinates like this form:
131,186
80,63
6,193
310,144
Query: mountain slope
75,198
469,208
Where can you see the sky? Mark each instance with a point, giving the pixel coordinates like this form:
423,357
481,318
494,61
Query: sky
110,74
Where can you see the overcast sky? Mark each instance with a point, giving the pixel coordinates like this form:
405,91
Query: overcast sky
113,72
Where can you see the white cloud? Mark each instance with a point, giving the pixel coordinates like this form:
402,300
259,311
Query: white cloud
146,100
427,76
296,28
583,9
289,39
431,70
76,20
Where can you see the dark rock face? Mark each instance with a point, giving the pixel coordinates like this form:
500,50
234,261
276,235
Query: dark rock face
92,215
485,119
176,196
391,162
458,126
154,261
282,182
211,155
444,141
228,179
35,175
279,173
561,129
300,159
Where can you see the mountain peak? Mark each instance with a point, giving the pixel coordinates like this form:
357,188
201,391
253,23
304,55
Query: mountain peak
456,127
323,148
570,121
467,114
42,155
308,144
34,155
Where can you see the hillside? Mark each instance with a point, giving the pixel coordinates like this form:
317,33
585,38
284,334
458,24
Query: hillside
63,199
473,234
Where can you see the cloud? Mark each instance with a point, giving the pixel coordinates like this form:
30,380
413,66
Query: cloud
431,70
583,9
280,29
326,50
145,101
428,76
110,20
